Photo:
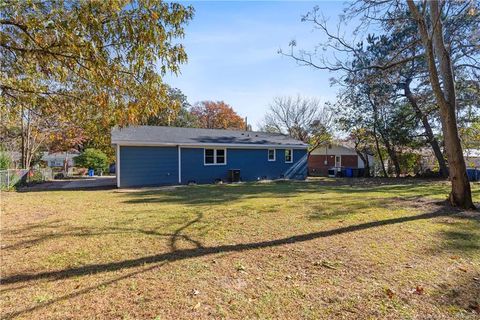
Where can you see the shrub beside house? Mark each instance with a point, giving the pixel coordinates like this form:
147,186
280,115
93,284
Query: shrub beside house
93,159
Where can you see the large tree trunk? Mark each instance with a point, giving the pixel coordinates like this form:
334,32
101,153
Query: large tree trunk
445,95
428,131
26,164
377,146
393,155
366,163
22,138
375,129
386,141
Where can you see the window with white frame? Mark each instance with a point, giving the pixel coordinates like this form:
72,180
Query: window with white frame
215,156
220,156
271,155
288,155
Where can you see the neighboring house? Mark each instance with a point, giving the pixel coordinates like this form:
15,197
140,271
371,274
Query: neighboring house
148,156
429,161
334,156
472,158
58,159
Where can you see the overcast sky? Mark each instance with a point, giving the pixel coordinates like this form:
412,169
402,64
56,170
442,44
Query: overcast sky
232,51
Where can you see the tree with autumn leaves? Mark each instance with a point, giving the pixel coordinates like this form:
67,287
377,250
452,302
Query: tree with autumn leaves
86,66
72,70
217,115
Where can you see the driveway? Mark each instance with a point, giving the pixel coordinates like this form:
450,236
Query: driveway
104,182
91,182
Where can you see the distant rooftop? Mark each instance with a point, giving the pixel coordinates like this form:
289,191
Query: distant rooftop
471,153
156,135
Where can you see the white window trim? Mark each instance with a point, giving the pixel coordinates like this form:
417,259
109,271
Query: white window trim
215,157
291,158
274,155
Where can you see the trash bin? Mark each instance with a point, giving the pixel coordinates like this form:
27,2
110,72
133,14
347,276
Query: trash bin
91,172
234,175
349,172
355,172
471,174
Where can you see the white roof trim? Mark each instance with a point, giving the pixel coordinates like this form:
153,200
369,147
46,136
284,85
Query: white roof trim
203,145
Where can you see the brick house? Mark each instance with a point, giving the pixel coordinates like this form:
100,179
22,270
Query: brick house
331,156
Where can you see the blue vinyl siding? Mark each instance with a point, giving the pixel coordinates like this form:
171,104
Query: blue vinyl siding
148,166
252,163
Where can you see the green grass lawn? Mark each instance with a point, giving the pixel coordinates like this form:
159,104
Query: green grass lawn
358,249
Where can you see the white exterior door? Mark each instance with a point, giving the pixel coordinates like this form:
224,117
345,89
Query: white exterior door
338,161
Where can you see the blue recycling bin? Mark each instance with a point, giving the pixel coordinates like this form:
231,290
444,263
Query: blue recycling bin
473,174
349,172
91,172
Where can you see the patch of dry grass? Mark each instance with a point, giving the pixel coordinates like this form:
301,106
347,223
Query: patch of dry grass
323,249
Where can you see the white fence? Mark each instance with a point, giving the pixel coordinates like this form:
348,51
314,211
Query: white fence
13,177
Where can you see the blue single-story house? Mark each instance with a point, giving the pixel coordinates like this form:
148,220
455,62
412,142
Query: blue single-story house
154,156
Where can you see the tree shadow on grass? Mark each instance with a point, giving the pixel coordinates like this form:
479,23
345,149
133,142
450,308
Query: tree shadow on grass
459,236
221,194
82,291
156,261
216,194
52,224
462,294
459,241
200,251
460,291
173,239
90,232
331,208
462,240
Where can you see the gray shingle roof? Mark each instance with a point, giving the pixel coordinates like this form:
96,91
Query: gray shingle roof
156,135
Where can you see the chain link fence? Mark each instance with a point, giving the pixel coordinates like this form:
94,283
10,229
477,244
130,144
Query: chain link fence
13,178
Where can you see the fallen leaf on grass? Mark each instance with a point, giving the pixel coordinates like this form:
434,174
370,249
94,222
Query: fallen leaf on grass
390,293
333,265
240,267
475,306
326,264
418,290
195,292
